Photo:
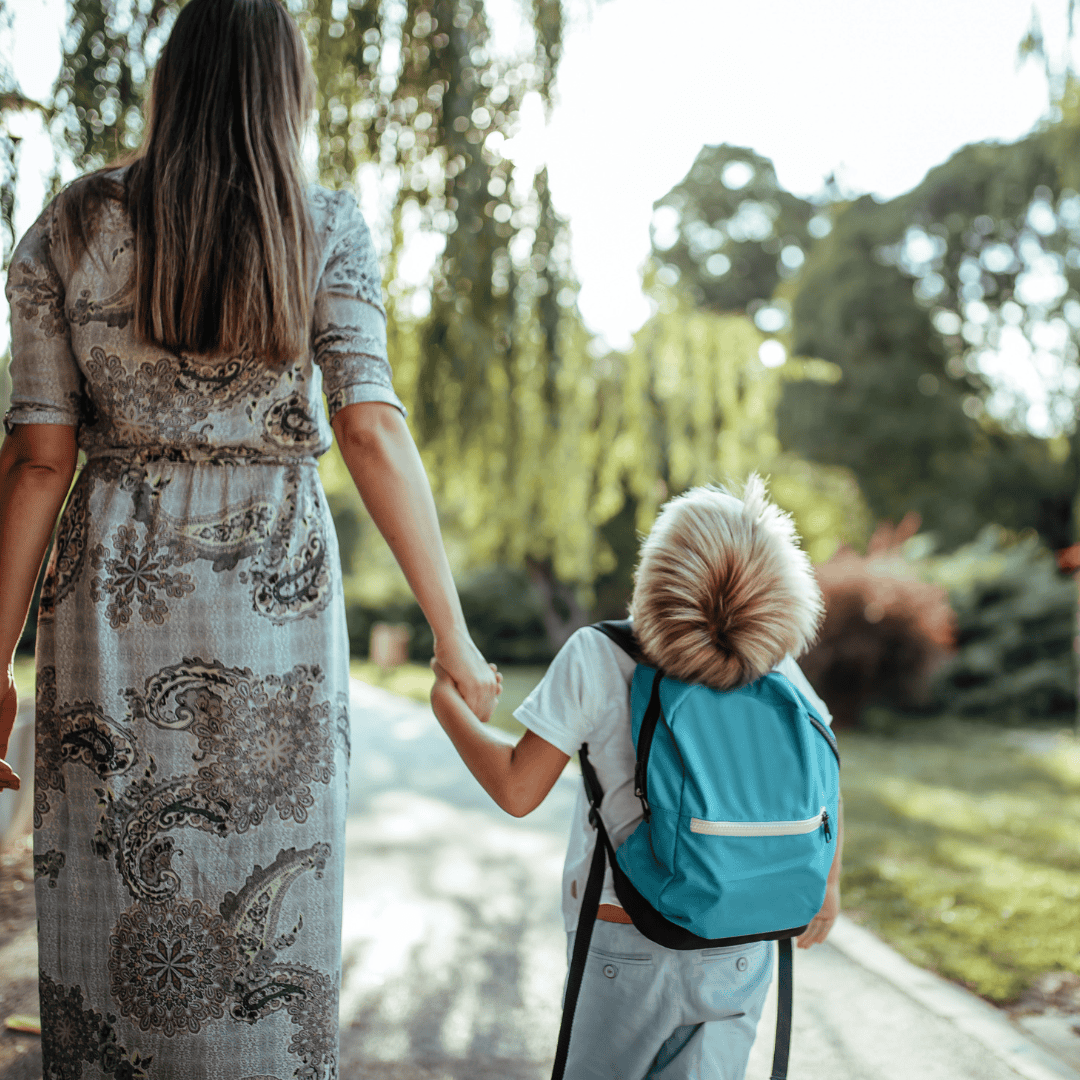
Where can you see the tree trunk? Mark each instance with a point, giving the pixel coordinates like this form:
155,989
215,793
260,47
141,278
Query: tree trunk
561,612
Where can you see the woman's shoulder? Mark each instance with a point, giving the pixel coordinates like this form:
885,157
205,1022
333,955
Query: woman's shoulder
334,212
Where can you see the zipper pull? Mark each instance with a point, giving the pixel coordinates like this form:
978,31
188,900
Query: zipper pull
825,825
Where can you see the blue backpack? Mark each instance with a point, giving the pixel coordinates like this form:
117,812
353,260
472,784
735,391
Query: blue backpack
740,792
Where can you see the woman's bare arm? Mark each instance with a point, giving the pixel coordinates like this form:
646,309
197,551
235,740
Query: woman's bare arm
385,465
37,463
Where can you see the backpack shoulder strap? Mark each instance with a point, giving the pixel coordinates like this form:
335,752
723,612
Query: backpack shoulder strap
590,905
622,633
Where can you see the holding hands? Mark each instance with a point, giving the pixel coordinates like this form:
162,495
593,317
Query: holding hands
458,660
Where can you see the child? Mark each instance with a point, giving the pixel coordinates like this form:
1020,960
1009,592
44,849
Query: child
722,595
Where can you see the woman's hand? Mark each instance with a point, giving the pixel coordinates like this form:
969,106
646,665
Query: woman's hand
477,681
822,922
9,706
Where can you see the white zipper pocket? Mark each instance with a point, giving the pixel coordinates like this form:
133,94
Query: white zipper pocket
763,828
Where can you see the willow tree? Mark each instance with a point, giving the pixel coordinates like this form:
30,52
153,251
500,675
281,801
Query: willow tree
542,454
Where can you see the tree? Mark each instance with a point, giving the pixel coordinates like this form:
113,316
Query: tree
542,454
731,231
906,297
911,297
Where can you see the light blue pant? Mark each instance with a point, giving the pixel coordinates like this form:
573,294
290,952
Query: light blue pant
650,1013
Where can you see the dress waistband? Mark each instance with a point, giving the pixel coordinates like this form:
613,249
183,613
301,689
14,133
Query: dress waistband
199,455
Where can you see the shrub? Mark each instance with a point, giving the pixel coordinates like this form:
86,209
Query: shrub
1017,620
885,631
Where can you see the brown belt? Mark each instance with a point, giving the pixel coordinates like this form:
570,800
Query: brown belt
613,913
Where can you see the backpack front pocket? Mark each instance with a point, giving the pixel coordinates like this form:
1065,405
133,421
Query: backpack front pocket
763,828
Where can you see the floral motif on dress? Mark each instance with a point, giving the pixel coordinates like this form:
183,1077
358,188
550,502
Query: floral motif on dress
134,576
171,966
73,1035
35,289
49,864
143,406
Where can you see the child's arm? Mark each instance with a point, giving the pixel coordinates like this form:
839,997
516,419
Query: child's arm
822,922
516,777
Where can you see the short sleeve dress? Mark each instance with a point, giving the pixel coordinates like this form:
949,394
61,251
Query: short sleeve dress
192,706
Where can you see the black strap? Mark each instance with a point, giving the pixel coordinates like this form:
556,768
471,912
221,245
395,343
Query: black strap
621,631
590,904
644,745
783,1012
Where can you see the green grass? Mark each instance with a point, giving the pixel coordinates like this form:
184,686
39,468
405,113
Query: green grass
962,847
962,850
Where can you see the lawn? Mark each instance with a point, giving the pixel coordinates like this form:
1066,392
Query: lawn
962,849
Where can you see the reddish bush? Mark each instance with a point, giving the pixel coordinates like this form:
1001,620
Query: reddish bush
885,631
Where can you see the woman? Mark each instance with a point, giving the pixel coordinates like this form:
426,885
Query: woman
176,319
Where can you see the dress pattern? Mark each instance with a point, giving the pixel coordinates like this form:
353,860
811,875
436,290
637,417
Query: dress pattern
192,716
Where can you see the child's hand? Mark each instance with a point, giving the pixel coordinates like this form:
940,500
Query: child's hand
445,689
822,922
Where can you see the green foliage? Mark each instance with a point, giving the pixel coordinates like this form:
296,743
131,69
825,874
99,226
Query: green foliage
732,220
109,50
1016,622
961,851
669,439
502,610
903,296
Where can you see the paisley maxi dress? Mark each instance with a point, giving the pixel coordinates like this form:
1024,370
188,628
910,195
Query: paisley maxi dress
192,673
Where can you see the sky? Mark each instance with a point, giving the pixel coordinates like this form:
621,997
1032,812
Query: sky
877,93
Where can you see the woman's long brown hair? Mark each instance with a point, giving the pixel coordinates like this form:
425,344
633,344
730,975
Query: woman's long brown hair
224,243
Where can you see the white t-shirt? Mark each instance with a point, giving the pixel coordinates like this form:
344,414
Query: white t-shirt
585,698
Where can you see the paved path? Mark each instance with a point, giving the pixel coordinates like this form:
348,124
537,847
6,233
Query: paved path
454,953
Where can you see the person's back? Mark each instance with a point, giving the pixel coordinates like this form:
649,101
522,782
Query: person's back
722,597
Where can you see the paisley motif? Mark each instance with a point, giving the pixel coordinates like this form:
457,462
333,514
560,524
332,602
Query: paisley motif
73,734
68,559
264,985
260,746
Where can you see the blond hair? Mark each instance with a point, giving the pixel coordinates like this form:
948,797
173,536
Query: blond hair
722,590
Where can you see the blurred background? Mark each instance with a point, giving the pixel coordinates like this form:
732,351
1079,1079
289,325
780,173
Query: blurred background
629,248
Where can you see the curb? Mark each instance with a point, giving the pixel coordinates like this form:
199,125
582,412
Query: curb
968,1012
